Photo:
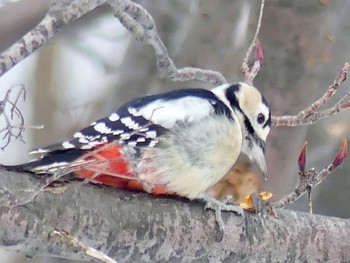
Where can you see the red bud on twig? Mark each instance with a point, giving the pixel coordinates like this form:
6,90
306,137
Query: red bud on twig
341,155
302,158
259,54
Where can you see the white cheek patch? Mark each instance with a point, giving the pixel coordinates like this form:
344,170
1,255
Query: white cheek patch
262,130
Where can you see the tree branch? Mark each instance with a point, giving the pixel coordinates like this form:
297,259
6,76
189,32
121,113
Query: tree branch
250,74
139,22
309,115
137,227
309,179
60,14
132,16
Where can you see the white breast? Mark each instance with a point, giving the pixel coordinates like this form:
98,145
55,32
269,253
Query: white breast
194,156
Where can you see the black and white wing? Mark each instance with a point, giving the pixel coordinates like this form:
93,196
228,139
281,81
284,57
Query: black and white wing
140,122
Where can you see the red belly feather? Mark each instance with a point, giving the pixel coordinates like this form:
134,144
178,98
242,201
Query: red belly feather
109,167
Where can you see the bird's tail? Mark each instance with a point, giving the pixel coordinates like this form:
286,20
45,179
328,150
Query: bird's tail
48,163
105,165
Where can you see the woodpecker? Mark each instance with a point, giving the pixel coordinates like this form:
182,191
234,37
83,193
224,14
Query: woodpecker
181,142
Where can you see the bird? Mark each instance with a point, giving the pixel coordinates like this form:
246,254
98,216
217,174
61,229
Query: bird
180,142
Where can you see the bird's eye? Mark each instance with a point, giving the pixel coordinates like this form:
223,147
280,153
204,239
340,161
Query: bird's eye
261,118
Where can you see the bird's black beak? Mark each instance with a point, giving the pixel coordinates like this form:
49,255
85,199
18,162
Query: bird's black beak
258,156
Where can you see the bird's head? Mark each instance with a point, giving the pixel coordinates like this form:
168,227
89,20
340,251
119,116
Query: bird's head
254,116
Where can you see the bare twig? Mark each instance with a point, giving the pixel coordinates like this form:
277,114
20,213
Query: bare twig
59,15
310,115
13,117
134,18
250,74
309,179
138,21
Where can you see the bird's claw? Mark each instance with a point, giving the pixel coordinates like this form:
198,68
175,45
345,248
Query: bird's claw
219,206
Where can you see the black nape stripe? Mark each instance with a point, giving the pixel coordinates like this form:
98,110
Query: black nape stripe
268,122
248,125
230,94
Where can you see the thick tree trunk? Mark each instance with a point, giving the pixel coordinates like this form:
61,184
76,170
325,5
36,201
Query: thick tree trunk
136,227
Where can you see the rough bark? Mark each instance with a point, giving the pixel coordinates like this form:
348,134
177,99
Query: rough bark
136,227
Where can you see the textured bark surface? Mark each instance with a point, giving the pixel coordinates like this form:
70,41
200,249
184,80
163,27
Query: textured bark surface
135,227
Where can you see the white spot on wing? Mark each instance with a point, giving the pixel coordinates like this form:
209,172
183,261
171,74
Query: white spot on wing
130,123
40,150
86,147
152,143
68,145
93,143
78,135
141,139
83,140
134,112
51,167
125,136
102,128
114,117
132,143
117,132
151,134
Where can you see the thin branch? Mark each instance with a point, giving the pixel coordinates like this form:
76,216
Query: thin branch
310,115
14,120
139,22
60,14
250,74
309,179
134,18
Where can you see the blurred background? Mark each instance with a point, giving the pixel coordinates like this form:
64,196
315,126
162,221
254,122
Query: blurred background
94,65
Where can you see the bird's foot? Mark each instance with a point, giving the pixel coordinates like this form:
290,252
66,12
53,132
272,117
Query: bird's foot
218,206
